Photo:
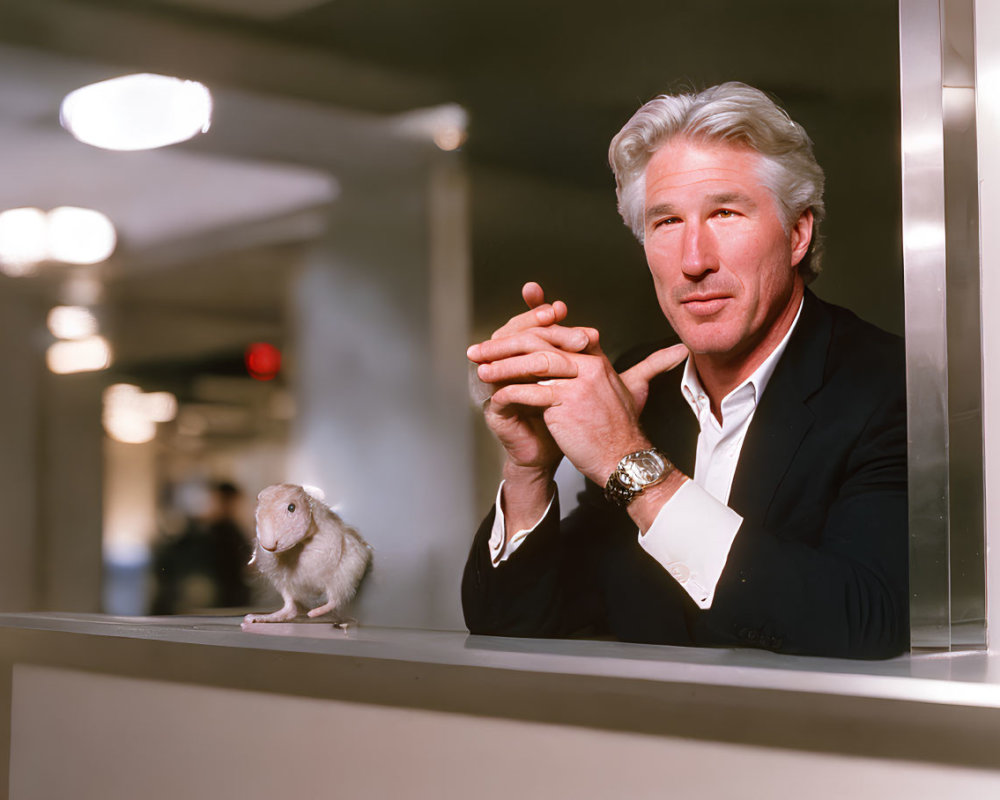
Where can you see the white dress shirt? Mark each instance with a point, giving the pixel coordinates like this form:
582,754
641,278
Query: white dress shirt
694,530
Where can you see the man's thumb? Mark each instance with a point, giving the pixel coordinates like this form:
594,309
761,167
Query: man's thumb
637,378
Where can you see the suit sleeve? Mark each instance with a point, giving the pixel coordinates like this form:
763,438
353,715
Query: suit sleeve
537,592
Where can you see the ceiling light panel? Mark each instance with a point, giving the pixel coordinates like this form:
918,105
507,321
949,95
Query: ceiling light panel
137,112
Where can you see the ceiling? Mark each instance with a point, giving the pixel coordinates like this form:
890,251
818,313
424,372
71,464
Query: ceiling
545,86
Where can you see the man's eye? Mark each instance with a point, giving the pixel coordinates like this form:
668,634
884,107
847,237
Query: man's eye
725,213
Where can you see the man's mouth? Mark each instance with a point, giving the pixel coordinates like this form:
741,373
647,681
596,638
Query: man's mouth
704,305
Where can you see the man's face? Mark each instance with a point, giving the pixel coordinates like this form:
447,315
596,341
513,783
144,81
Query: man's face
723,267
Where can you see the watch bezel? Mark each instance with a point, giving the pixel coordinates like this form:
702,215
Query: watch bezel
643,467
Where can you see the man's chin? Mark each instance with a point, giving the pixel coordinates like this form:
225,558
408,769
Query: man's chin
708,339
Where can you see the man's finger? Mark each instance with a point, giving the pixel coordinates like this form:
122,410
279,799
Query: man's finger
533,395
540,316
656,363
529,367
533,294
539,312
637,378
553,337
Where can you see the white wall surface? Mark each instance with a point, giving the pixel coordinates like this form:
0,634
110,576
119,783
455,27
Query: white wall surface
384,423
97,737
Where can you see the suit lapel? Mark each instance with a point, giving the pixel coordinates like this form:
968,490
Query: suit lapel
782,417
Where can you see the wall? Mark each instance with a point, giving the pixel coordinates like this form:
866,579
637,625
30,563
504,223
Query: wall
50,426
384,421
105,737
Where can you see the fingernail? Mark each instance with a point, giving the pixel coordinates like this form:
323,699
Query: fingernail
473,351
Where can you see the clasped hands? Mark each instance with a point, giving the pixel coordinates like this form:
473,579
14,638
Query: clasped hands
559,395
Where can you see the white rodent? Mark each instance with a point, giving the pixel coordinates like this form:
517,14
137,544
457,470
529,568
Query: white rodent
309,554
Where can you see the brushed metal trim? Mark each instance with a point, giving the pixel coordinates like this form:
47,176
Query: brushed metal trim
924,284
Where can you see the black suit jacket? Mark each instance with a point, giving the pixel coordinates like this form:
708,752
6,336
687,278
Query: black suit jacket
819,565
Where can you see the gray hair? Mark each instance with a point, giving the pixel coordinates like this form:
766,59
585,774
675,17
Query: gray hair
732,113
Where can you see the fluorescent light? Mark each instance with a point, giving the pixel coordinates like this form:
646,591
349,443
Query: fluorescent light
82,355
72,322
79,235
445,125
449,137
130,414
22,240
137,112
72,235
160,406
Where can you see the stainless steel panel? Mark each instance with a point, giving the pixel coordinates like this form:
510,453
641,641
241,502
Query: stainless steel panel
965,406
943,339
924,260
987,60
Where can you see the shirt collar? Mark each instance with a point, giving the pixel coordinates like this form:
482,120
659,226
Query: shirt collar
692,389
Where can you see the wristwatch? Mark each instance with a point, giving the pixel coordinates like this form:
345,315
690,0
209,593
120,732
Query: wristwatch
634,473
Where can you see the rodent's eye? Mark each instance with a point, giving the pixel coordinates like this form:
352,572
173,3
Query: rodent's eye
291,508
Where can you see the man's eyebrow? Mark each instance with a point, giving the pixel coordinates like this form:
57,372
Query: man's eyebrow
732,198
661,210
721,199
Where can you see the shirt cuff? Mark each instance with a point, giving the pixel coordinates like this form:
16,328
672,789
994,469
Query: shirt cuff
691,538
499,553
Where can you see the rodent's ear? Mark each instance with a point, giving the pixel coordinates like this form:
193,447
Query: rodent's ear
315,492
311,502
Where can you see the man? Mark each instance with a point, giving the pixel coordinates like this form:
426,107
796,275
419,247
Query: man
755,496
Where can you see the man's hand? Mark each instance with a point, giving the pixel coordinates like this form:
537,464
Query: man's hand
587,411
590,411
521,431
532,454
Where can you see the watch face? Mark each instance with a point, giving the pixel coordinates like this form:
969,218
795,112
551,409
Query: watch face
645,468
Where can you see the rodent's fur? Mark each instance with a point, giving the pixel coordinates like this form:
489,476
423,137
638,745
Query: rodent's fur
308,553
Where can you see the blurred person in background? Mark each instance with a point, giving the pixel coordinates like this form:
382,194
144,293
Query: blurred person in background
205,565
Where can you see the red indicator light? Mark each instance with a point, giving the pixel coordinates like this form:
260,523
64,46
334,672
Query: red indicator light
263,361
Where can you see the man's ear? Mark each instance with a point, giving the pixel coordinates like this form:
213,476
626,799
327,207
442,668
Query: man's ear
801,235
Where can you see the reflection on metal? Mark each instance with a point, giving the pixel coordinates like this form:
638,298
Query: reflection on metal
965,396
924,288
987,33
941,280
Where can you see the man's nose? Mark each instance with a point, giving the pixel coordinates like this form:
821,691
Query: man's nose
698,256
